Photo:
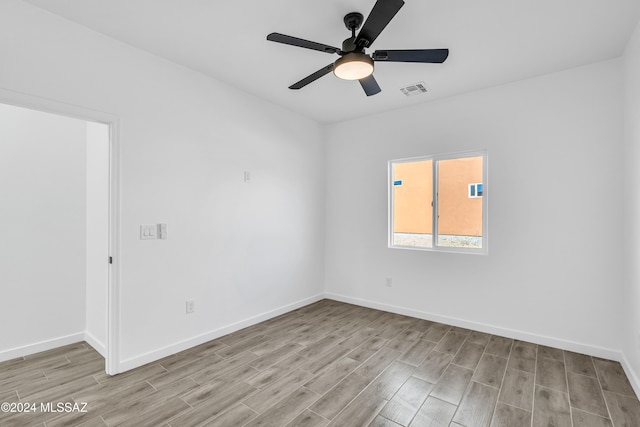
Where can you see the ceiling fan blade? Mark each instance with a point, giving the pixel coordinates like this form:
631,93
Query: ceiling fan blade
312,77
381,14
412,55
294,41
370,85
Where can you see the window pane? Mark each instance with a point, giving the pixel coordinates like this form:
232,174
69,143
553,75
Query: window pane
412,204
459,216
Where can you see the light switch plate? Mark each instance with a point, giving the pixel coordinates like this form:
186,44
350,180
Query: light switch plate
162,231
191,306
148,231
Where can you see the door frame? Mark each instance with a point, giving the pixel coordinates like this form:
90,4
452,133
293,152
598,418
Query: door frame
18,99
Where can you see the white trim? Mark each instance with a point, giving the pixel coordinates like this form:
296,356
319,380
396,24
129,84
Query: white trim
475,190
631,374
177,347
390,203
25,100
113,304
96,344
135,362
597,351
20,99
41,346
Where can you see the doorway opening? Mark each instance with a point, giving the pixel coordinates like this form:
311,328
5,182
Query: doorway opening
57,223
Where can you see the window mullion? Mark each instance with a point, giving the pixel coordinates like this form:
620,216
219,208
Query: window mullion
434,204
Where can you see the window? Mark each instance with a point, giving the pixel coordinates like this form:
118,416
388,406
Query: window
439,203
475,190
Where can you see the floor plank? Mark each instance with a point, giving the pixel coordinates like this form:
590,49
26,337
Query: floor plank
510,416
477,406
469,355
517,389
585,394
434,413
550,373
551,408
452,385
405,404
490,370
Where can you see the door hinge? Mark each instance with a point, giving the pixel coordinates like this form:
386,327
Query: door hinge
110,260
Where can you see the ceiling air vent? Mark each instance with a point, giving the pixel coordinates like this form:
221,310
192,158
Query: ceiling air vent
414,89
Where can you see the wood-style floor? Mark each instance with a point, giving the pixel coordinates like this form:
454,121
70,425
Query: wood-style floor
330,364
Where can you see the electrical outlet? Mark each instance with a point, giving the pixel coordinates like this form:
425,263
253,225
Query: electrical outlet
191,306
388,282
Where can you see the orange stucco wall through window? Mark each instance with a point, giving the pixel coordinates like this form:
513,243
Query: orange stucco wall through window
412,212
458,214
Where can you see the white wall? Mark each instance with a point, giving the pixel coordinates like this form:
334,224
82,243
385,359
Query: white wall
239,250
553,273
631,225
42,221
244,250
97,234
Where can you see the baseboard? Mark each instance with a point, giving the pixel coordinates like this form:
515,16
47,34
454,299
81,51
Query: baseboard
591,350
41,346
96,344
217,333
631,374
149,357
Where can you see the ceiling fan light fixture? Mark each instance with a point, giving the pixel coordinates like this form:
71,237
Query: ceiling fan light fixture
353,66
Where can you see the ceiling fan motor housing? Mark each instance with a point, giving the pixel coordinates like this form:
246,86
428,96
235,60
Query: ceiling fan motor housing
353,21
349,45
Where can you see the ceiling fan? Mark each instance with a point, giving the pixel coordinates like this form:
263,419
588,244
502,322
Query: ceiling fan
354,63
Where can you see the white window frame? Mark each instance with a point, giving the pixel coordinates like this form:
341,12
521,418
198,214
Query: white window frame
484,250
475,192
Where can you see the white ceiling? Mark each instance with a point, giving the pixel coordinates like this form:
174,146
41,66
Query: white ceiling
491,42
